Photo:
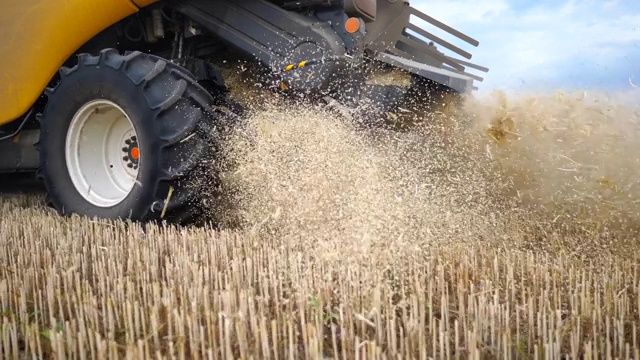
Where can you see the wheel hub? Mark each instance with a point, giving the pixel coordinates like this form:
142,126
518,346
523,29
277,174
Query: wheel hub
99,134
132,152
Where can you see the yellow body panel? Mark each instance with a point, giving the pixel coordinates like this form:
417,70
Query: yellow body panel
37,36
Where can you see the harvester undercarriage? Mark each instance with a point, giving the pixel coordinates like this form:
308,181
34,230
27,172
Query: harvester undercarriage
321,50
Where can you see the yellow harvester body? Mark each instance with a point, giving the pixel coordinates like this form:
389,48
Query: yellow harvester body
39,35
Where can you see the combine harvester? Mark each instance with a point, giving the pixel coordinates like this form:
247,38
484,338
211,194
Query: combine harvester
115,103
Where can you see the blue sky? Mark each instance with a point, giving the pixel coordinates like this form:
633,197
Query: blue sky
547,45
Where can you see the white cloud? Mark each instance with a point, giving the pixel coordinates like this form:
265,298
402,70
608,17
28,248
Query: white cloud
536,45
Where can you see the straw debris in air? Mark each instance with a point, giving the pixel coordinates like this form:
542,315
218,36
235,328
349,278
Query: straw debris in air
341,242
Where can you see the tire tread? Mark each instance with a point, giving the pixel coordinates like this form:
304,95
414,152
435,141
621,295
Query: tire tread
180,106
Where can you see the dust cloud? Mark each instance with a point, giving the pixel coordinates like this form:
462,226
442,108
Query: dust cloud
546,172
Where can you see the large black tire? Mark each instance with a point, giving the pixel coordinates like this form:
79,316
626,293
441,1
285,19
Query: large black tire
171,114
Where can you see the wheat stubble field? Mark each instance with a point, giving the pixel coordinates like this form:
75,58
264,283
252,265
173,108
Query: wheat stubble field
513,236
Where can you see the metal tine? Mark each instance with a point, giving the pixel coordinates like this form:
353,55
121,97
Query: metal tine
430,52
435,39
442,26
475,77
410,53
458,61
471,65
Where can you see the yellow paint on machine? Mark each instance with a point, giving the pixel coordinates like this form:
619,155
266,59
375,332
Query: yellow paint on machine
39,35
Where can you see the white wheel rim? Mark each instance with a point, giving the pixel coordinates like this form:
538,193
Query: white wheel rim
102,153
